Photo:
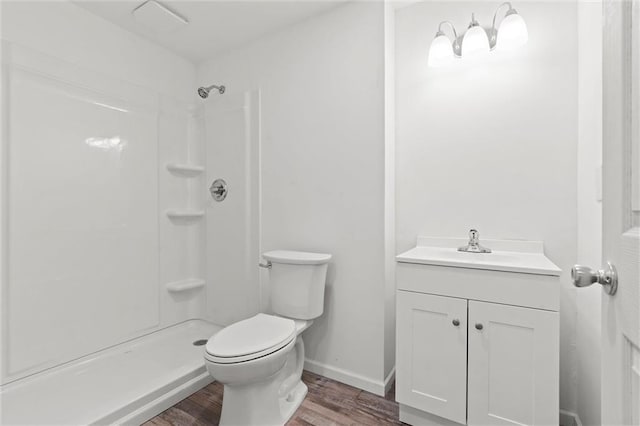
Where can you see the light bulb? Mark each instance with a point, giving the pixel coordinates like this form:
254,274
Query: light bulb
512,33
475,40
440,52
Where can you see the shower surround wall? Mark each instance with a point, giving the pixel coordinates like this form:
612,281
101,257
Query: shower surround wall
94,115
231,124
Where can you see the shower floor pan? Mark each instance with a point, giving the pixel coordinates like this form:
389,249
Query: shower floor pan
125,384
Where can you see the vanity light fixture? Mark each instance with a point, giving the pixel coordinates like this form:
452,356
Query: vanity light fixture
511,34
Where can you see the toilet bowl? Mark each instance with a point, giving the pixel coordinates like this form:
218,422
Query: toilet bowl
260,360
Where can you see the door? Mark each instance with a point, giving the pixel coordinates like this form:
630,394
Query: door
513,365
621,212
432,354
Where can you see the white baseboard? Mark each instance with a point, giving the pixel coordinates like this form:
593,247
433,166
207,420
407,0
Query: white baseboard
388,381
567,418
377,387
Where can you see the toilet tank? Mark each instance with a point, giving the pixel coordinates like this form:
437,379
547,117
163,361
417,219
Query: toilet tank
296,281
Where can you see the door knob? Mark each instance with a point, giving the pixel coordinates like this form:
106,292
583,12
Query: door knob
583,276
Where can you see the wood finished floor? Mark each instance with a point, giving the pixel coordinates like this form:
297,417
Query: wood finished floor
327,403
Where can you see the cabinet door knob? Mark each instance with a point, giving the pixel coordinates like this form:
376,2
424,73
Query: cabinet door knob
456,322
478,326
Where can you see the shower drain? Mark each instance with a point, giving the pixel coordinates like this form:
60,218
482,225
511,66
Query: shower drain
200,342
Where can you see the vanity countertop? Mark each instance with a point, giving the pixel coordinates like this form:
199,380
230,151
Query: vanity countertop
525,257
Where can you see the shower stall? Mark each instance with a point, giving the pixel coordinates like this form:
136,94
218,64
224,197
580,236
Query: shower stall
110,240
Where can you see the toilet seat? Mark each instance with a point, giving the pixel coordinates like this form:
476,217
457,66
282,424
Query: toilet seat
249,339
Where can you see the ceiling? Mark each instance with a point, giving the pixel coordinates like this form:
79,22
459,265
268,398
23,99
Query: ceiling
214,26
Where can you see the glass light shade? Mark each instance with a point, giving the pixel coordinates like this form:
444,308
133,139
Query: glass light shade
475,42
512,32
440,52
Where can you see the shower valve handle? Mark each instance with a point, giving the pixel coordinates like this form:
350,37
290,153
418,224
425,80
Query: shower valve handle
218,189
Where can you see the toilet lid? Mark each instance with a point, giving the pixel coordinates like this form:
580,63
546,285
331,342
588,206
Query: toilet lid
251,336
297,257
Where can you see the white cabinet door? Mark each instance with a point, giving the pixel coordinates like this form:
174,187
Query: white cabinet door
513,365
432,354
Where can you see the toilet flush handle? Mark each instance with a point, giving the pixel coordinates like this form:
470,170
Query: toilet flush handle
265,265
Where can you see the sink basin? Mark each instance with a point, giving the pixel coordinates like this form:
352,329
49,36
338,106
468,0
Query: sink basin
508,255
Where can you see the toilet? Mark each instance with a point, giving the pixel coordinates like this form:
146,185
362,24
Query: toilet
259,360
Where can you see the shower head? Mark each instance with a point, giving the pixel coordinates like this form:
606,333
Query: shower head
204,91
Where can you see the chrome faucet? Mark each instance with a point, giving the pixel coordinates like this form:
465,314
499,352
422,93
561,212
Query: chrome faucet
474,243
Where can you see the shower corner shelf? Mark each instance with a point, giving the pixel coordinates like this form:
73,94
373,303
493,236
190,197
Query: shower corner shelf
185,169
185,285
185,214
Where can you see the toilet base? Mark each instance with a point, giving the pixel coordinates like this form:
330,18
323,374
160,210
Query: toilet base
259,404
290,403
270,402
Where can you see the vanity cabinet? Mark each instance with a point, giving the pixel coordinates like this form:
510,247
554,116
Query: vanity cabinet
477,363
476,346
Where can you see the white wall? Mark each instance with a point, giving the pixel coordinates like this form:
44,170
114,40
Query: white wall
321,85
492,143
87,233
589,208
